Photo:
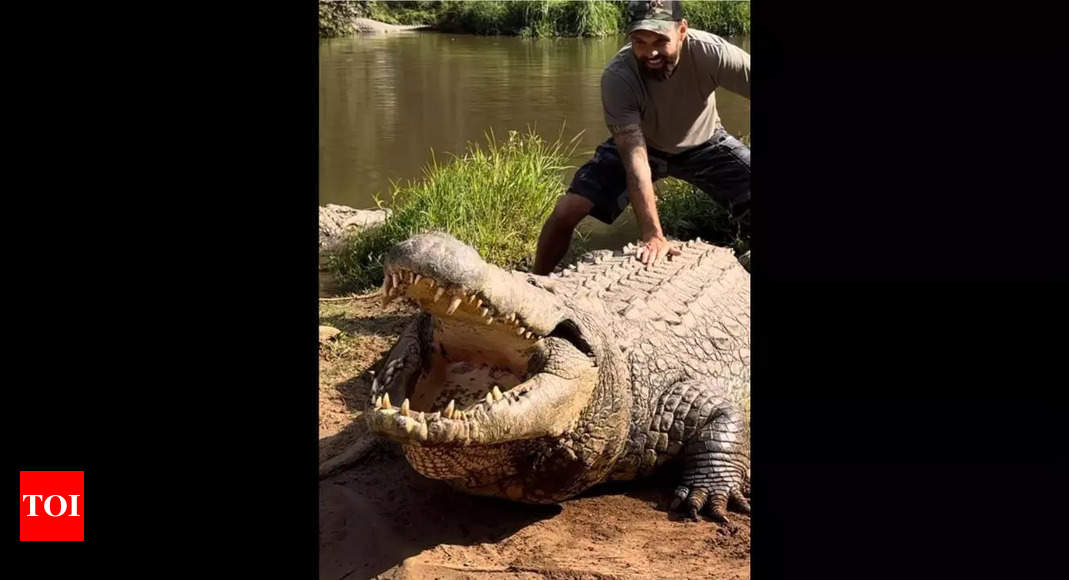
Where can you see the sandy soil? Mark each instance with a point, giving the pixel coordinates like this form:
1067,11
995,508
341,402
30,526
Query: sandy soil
380,519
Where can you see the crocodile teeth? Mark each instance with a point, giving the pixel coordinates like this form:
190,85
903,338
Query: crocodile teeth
528,335
496,392
448,413
479,303
471,298
520,330
490,398
378,402
386,401
408,277
489,320
422,418
438,294
485,311
417,278
453,305
394,279
422,431
375,384
404,407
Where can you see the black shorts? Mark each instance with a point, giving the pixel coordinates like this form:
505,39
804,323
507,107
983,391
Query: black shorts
720,167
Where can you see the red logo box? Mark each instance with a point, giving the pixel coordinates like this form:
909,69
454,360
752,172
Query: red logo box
52,506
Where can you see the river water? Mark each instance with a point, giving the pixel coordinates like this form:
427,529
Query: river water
387,100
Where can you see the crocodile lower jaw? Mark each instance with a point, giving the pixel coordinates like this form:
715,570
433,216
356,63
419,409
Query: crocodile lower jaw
545,405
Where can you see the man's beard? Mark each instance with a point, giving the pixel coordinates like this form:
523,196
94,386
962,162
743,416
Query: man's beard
659,74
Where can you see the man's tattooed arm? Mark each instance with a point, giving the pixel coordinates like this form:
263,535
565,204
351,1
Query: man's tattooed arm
632,147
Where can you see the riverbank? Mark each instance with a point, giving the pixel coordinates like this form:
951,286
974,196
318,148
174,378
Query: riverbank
369,26
495,198
532,18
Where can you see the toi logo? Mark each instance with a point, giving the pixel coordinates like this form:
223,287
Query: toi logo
51,506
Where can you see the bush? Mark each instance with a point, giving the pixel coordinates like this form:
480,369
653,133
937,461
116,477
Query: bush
336,18
490,17
405,12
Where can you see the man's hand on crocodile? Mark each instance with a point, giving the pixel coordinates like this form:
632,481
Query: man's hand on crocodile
655,248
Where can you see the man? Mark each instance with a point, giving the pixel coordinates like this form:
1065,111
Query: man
657,94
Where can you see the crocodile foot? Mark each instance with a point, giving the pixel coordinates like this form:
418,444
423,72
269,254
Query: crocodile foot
712,500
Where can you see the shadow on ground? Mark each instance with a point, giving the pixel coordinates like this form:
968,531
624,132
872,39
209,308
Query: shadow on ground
380,512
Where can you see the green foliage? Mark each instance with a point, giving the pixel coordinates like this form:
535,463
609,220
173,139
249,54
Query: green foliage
544,18
686,212
489,18
534,18
405,12
495,199
721,18
336,18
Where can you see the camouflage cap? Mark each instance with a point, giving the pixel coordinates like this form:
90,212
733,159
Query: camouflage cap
660,16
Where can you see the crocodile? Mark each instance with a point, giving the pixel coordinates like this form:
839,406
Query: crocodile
536,388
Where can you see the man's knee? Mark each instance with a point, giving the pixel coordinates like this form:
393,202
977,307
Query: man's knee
570,210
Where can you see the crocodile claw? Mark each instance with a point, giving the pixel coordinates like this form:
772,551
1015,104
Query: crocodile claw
714,505
739,502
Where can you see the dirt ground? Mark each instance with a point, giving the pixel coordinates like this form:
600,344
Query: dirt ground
380,519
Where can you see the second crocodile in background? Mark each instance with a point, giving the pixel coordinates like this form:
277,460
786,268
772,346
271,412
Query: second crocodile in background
536,388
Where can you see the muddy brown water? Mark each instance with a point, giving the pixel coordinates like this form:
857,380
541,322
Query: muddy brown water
386,101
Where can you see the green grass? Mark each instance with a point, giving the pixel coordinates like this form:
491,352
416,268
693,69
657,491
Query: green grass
721,18
687,213
549,18
494,198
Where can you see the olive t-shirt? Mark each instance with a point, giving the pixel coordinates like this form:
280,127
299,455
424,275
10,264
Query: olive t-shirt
680,112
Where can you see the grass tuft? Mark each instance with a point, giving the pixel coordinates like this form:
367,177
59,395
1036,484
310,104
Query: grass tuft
494,198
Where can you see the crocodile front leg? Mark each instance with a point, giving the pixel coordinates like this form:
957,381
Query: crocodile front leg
706,430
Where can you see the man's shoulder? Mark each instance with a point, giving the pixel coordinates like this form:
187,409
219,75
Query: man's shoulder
704,42
621,69
621,85
621,63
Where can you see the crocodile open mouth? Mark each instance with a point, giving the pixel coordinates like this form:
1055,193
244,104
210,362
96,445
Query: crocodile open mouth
468,372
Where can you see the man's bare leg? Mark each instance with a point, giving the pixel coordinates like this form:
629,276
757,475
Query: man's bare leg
557,232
